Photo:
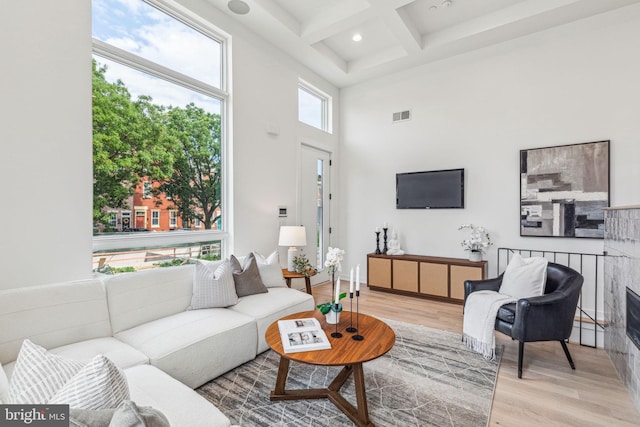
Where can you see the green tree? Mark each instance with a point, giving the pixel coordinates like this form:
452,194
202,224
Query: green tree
130,141
194,186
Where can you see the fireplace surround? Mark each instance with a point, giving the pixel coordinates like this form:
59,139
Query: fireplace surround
621,295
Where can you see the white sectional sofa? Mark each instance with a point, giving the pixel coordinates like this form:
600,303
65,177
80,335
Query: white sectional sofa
140,321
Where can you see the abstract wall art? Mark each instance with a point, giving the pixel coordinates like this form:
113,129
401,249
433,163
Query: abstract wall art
564,189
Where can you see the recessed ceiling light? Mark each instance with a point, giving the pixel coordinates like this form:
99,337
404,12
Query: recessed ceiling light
356,37
238,6
446,3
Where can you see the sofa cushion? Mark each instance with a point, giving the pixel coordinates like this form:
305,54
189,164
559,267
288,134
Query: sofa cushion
144,296
38,374
98,385
123,355
247,276
213,287
52,315
269,307
197,345
524,277
270,269
182,406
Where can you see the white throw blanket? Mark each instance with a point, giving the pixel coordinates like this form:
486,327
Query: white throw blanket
480,312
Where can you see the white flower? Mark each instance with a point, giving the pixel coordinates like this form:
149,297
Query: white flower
333,259
479,240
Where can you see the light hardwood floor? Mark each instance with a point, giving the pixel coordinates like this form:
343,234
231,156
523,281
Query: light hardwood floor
550,393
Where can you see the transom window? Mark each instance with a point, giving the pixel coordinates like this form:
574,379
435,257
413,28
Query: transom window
314,107
159,96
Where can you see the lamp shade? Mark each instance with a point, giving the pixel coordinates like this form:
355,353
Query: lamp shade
292,236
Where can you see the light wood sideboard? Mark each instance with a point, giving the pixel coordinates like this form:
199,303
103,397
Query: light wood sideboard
423,276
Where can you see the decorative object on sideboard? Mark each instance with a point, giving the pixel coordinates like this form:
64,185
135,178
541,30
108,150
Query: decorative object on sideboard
394,244
385,228
477,243
377,252
292,236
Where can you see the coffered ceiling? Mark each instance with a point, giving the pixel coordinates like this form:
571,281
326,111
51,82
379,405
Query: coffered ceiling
397,34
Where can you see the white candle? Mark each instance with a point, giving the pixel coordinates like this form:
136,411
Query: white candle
351,282
338,291
377,229
385,225
358,277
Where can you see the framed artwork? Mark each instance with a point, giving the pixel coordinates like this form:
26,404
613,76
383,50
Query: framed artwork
564,189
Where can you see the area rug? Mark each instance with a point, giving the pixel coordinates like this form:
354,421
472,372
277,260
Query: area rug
429,378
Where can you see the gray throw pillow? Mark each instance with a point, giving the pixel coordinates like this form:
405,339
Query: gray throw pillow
247,276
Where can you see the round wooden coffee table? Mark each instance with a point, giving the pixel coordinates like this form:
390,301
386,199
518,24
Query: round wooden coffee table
378,339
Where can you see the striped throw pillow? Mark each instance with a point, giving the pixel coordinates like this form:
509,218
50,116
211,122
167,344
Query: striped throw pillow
38,374
98,385
213,287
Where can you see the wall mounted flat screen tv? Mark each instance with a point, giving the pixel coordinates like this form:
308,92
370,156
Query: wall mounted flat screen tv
442,189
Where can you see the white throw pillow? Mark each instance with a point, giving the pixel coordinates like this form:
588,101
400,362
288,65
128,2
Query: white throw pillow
213,287
524,277
38,374
98,385
270,270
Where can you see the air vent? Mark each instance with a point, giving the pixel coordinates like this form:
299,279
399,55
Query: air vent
402,116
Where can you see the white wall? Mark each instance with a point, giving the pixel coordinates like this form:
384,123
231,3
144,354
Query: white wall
45,132
46,166
577,83
265,167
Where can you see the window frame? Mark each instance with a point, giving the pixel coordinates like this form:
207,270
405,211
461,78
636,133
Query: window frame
326,108
155,218
128,241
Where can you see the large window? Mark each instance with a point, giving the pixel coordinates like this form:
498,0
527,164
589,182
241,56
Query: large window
159,96
314,107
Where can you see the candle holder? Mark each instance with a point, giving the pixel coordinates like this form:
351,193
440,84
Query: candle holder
351,328
378,243
385,249
357,337
336,334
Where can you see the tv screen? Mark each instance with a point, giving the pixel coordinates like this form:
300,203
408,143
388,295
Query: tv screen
430,190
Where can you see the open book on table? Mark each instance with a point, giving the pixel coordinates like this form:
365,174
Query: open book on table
302,335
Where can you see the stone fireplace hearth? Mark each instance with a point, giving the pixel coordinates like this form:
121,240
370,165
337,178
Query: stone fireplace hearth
622,273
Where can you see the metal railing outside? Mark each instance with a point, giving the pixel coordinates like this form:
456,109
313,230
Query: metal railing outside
591,266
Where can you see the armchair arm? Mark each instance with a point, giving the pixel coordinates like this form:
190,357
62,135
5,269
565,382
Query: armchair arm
481,285
544,318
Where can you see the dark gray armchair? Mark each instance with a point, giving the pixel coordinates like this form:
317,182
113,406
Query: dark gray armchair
548,317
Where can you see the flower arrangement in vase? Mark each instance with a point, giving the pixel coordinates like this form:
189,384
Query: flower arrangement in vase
477,243
332,263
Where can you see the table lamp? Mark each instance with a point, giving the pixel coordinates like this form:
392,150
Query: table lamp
292,236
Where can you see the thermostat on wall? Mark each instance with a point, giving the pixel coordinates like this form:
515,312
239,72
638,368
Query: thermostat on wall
282,212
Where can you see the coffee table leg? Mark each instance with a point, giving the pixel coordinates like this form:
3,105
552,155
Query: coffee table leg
281,380
361,394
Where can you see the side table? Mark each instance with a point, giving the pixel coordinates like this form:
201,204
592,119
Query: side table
288,275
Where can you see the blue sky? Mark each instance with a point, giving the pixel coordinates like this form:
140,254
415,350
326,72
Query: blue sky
138,28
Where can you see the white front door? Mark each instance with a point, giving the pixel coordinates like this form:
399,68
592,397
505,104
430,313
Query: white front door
314,204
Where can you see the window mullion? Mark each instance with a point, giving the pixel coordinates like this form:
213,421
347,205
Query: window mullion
136,62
